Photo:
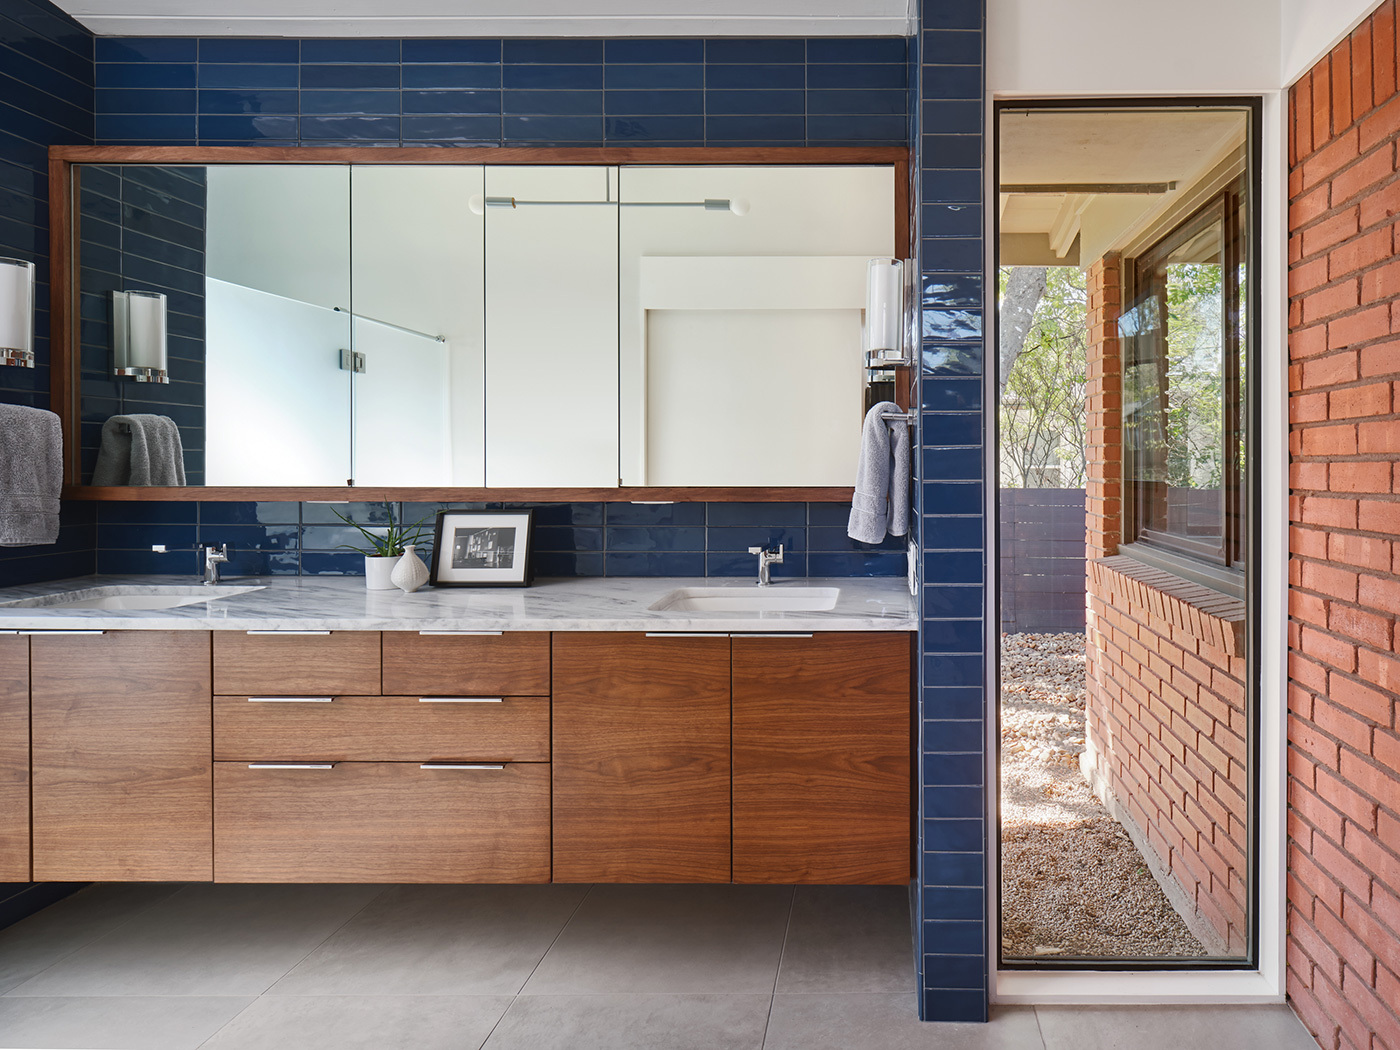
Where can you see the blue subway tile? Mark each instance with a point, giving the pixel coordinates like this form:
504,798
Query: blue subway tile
955,936
227,49
654,51
950,220
951,359
953,636
755,76
266,513
741,565
952,395
953,567
952,14
162,512
655,564
662,103
951,82
655,514
944,735
655,129
383,129
963,428
954,869
952,47
454,76
445,50
952,669
141,537
767,129
865,100
831,515
655,538
860,76
724,102
655,78
835,540
955,971
772,515
145,100
742,537
952,290
547,78
856,129
889,49
135,127
761,49
145,49
954,803
553,51
952,185
248,77
449,128
350,50
958,770
451,102
351,77
946,701
247,128
248,102
946,117
567,538
952,464
156,74
321,103
557,563
146,562
871,563
955,835
940,1004
252,537
952,151
332,563
957,497
552,129
562,513
552,103
954,534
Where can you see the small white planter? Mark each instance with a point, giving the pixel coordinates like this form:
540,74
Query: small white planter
378,571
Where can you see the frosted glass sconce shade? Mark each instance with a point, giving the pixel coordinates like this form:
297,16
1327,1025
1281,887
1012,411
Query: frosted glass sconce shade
16,313
138,333
884,311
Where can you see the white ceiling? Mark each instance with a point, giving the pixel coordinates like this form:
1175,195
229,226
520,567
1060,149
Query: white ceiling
514,18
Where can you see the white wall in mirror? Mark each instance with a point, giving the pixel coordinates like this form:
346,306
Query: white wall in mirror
746,371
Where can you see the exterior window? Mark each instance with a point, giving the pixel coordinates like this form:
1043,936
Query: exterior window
1184,367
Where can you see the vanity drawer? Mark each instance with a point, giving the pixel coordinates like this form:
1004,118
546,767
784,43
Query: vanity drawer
290,664
427,664
382,728
381,822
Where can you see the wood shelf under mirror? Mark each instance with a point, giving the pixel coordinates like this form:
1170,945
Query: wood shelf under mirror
222,494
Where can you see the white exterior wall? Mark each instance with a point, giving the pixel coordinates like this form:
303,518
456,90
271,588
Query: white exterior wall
1311,28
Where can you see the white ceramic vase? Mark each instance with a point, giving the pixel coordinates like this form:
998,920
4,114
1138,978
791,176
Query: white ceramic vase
409,572
378,572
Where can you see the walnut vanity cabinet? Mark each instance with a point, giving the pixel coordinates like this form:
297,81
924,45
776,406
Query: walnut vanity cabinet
14,758
121,764
441,776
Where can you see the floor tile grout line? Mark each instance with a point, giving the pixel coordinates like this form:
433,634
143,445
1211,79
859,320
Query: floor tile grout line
1035,1012
778,972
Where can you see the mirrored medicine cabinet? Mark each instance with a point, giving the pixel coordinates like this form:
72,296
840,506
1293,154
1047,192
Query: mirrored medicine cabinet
381,320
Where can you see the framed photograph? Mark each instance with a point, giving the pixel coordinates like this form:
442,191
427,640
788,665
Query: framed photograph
482,548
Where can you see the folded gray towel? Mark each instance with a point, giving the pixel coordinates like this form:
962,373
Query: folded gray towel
31,475
881,501
140,450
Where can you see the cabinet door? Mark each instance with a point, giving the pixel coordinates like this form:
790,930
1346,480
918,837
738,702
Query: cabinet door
821,759
641,758
14,759
122,756
551,328
510,663
295,664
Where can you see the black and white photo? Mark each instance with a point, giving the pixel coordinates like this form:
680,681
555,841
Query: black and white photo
477,548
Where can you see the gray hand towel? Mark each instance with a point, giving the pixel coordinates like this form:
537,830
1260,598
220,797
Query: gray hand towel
881,501
31,475
140,450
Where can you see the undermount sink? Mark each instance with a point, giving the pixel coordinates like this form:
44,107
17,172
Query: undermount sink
777,598
128,596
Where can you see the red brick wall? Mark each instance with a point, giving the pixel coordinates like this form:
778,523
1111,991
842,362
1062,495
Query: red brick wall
1344,566
1166,698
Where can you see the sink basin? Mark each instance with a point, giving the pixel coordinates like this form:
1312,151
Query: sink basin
128,596
777,598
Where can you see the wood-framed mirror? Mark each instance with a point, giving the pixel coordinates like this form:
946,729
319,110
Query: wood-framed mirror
473,324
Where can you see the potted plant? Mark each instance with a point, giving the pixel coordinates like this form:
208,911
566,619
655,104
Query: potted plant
386,545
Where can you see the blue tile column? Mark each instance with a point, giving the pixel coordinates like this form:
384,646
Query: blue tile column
953,710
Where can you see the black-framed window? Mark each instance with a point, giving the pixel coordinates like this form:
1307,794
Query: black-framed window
1185,365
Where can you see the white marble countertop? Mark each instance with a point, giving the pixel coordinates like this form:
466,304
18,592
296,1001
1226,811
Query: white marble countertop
290,603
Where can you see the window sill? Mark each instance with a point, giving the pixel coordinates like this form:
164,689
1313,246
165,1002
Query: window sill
1205,613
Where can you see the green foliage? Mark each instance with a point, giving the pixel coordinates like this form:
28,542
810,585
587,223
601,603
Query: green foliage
386,541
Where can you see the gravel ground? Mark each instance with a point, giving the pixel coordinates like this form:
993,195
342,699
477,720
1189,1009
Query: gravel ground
1072,883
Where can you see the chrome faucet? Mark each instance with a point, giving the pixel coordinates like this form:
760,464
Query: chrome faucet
213,558
767,558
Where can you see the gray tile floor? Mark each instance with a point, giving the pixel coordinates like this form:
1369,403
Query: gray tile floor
166,967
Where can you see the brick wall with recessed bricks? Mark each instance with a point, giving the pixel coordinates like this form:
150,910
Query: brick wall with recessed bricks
1344,432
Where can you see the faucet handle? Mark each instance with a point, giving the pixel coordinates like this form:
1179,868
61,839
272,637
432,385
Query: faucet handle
758,550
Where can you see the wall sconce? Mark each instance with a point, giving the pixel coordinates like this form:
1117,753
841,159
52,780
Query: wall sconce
17,313
884,313
138,336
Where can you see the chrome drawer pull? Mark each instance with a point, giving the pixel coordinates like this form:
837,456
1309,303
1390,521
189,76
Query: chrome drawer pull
461,699
479,634
458,765
291,765
687,634
317,633
59,630
291,699
774,634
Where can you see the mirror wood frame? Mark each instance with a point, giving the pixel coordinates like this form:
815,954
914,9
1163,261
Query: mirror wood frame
63,255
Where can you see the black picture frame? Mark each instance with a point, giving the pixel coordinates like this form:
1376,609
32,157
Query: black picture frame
482,548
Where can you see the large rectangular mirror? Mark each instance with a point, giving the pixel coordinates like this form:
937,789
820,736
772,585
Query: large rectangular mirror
466,326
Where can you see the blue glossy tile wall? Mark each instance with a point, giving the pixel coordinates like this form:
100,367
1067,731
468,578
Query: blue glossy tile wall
143,227
673,92
570,539
949,143
46,98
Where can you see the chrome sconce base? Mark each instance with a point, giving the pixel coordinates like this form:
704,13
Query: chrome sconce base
18,358
143,375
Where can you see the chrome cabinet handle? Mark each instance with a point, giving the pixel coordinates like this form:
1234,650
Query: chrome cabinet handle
316,633
773,634
57,630
461,699
291,765
291,699
687,634
460,765
481,634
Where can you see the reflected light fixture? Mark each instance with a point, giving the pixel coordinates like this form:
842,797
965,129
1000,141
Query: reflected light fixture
884,312
16,313
138,336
